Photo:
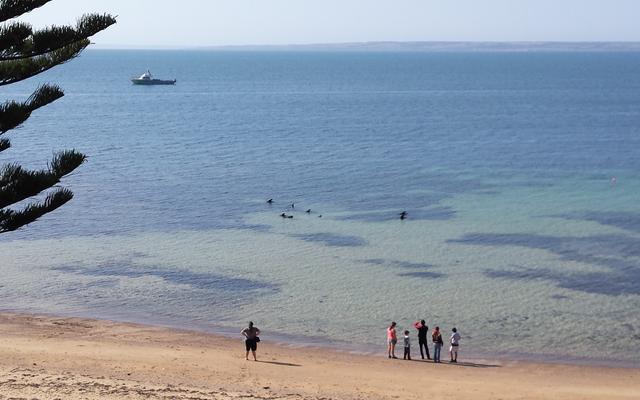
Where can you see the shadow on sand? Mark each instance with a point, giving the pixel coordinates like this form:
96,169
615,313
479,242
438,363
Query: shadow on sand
460,364
284,364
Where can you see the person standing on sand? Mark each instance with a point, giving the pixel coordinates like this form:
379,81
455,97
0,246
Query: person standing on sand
437,344
392,339
251,334
455,345
423,331
407,346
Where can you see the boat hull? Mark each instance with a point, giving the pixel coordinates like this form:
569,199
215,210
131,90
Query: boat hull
150,82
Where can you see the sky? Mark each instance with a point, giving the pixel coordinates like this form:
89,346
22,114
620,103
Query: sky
198,23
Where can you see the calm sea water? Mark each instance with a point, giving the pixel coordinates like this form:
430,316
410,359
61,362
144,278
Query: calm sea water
515,233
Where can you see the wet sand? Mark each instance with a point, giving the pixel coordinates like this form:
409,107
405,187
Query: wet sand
69,358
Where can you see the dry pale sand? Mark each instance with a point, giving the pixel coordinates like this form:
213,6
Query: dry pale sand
64,358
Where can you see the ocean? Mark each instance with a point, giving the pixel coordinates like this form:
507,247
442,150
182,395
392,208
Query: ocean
518,173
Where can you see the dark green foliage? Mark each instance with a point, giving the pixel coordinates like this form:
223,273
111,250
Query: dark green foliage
17,70
15,8
19,41
65,162
12,36
12,114
23,54
17,184
11,220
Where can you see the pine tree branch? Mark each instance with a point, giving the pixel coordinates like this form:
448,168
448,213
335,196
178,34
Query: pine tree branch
65,162
24,54
13,114
11,220
14,8
17,70
49,39
17,184
13,35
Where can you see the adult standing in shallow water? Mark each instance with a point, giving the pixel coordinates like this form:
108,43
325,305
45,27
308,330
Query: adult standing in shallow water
423,331
251,334
437,344
392,339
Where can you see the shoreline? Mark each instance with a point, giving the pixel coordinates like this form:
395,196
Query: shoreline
47,357
359,349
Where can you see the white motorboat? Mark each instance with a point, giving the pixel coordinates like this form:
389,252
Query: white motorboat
148,79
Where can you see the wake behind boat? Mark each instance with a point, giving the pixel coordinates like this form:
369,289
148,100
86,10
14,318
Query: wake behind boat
148,79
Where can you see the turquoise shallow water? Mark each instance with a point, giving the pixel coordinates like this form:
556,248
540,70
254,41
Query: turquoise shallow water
516,234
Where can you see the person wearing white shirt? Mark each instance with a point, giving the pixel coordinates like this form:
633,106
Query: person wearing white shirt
407,346
455,345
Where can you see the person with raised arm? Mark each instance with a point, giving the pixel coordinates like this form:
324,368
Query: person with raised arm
423,331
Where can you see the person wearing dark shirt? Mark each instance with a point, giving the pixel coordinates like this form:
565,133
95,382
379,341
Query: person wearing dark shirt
437,344
251,334
423,331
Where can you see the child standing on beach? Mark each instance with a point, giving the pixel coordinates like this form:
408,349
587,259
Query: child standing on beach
407,346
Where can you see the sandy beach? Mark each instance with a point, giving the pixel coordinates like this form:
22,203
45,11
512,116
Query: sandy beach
69,358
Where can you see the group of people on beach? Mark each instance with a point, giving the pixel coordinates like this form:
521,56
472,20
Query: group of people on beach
423,331
251,336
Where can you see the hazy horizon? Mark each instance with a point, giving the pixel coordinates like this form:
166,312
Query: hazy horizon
401,45
200,23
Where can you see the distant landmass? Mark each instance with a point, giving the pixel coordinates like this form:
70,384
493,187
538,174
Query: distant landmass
444,47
